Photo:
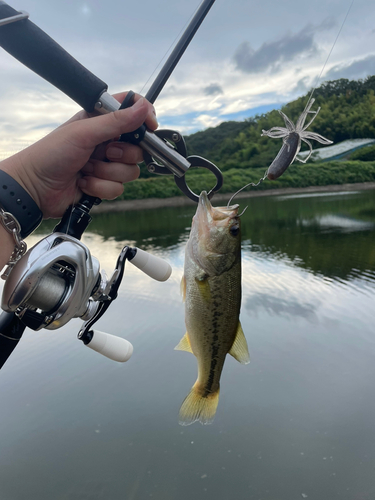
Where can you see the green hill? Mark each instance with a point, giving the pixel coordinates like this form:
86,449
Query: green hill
347,112
239,150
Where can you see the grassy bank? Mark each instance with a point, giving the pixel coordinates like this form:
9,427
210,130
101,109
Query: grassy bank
298,175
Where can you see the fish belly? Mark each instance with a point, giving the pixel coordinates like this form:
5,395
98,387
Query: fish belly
212,315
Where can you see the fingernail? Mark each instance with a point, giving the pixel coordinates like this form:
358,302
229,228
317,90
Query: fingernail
115,153
139,103
154,119
155,122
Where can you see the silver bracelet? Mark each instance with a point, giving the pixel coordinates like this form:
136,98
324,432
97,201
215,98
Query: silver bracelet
13,227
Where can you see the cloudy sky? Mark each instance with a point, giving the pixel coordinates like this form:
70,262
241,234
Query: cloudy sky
249,56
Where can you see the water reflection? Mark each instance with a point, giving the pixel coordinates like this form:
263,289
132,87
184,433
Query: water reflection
338,223
295,423
276,305
329,234
309,231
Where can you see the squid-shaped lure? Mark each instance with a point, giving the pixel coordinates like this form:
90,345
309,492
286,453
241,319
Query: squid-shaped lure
292,137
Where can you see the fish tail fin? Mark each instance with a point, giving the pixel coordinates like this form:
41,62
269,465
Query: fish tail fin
198,407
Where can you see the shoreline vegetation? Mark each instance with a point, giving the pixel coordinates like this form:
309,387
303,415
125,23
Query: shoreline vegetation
243,154
297,176
179,201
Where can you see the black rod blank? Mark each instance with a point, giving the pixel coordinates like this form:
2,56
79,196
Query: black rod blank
179,50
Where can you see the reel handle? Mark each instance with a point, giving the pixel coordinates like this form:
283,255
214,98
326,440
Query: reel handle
40,53
112,347
153,266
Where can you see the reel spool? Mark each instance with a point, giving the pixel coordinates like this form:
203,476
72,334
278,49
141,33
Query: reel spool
58,279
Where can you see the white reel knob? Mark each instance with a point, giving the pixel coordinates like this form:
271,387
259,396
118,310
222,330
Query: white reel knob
112,347
153,266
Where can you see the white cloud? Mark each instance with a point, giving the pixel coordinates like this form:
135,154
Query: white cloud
123,45
207,121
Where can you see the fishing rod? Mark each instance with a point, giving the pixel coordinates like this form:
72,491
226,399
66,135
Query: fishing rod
58,279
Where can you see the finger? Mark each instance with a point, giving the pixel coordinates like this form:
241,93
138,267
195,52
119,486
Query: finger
104,189
116,172
124,152
100,151
92,131
151,120
81,115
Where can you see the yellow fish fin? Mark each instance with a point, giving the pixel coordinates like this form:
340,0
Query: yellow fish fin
197,407
183,288
239,349
204,289
184,344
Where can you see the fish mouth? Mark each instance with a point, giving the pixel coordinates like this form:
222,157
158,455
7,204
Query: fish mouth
204,211
210,230
209,213
207,217
204,202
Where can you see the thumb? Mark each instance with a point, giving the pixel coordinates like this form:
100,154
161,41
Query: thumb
90,132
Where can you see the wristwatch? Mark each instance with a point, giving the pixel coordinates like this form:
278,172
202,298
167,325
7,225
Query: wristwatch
15,200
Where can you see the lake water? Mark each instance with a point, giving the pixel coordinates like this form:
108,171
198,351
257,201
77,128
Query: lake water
297,422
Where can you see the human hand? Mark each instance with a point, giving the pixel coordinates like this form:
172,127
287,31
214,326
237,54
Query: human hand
71,160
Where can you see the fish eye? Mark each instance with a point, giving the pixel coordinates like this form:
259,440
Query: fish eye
234,230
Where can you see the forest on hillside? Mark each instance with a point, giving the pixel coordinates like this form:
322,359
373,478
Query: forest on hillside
243,154
347,112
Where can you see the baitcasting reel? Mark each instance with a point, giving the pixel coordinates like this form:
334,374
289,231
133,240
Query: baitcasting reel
58,279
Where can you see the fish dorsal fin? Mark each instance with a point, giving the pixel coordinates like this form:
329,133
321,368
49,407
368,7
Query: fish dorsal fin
239,349
183,288
184,344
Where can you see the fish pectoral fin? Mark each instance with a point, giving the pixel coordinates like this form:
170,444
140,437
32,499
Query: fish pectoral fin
184,344
204,288
183,288
239,349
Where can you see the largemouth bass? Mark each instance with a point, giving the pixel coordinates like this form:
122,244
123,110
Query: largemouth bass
211,287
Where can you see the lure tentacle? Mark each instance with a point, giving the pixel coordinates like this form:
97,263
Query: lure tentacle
316,137
310,152
292,136
289,124
276,132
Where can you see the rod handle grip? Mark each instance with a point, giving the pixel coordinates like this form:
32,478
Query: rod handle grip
40,53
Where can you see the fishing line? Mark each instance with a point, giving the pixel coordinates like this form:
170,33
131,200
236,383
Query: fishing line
170,47
247,185
308,101
329,54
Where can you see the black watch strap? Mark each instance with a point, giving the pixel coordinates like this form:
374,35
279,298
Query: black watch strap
15,200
